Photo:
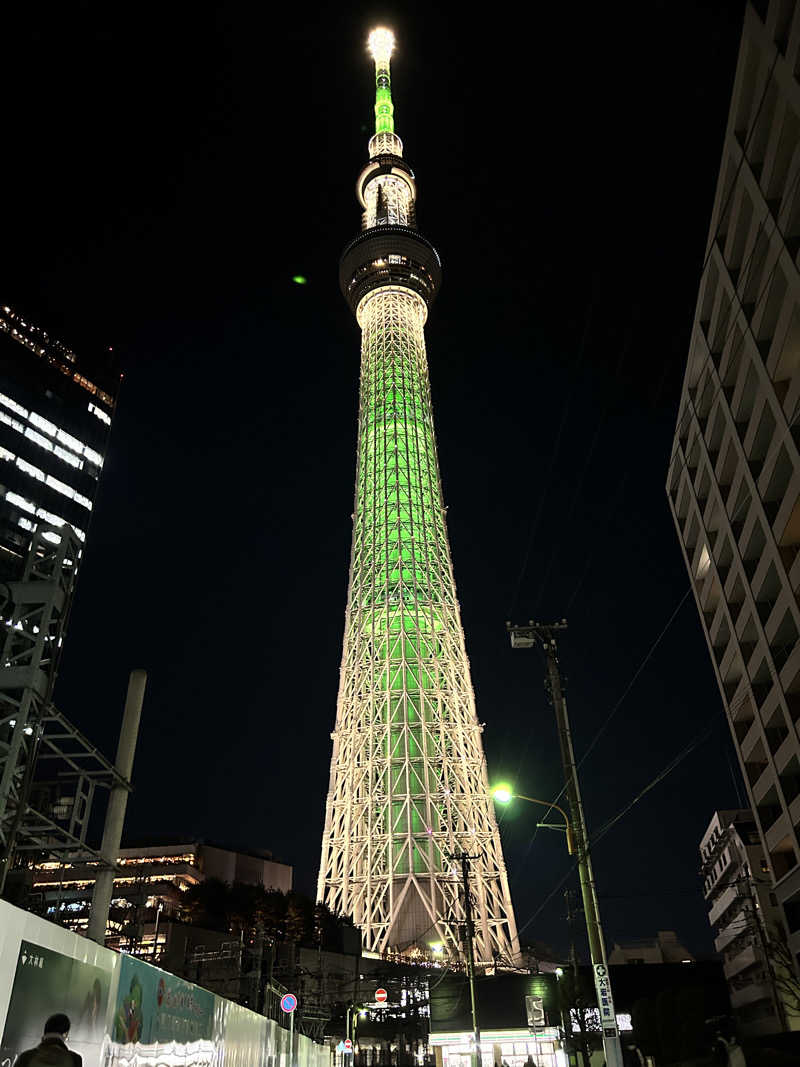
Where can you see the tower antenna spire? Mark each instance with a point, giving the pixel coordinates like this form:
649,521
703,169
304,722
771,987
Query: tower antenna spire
381,46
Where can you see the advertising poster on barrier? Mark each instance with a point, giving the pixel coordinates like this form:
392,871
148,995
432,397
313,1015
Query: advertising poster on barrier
46,982
158,1019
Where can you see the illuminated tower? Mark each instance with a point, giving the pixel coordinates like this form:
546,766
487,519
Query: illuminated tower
408,786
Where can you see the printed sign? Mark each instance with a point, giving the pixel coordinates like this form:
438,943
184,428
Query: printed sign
46,982
605,1001
534,1009
156,1011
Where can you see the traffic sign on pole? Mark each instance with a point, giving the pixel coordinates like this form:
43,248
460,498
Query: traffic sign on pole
348,1045
288,1003
380,995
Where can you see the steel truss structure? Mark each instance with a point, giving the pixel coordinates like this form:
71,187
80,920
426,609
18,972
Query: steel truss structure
49,771
408,782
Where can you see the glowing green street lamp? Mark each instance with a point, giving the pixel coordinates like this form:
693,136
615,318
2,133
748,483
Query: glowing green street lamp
503,794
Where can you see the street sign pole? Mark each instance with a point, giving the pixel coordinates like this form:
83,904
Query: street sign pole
288,1005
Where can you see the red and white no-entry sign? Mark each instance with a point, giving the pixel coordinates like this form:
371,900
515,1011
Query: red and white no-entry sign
348,1045
380,996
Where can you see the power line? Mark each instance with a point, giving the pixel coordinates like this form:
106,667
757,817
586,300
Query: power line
706,260
690,407
578,491
553,457
702,736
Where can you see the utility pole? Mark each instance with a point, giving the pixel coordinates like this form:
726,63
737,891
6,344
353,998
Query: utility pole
464,859
544,635
753,913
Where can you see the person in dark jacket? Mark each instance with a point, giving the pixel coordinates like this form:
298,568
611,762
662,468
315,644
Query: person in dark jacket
52,1051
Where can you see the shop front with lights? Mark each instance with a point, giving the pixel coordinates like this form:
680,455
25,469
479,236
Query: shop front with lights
511,1047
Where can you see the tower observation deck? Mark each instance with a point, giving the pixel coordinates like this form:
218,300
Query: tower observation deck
408,784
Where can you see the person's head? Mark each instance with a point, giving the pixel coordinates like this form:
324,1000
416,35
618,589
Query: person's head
57,1025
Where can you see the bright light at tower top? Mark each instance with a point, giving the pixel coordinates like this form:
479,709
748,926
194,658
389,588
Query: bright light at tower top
381,44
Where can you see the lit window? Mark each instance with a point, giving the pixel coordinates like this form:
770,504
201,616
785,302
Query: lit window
68,439
81,499
34,472
68,457
12,405
92,456
38,439
95,410
53,538
11,422
48,516
61,487
43,424
5,454
703,563
21,502
26,524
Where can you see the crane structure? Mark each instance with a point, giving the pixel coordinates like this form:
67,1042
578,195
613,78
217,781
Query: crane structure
408,782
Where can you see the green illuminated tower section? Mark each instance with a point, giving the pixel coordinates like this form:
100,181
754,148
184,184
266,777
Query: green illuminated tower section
408,784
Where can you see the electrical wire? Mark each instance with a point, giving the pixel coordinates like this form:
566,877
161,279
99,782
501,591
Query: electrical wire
578,491
706,260
688,411
553,457
673,763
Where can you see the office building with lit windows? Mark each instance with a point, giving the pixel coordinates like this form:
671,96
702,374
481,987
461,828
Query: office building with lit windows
55,417
149,884
734,473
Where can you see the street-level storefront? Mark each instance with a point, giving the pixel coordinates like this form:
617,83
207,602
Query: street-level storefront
514,1048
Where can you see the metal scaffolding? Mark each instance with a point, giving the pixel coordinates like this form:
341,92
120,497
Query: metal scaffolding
408,782
49,771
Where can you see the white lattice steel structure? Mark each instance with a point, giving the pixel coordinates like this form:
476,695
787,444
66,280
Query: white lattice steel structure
408,784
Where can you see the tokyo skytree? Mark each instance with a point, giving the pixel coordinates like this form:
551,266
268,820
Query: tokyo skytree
408,788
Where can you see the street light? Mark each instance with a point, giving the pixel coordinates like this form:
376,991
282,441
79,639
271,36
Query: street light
503,794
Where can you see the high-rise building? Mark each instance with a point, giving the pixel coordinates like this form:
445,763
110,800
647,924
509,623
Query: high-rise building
408,785
744,915
734,474
55,416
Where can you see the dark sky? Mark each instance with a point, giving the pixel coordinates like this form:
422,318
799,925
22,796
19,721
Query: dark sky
169,168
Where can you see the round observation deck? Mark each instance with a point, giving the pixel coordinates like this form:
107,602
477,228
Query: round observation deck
389,255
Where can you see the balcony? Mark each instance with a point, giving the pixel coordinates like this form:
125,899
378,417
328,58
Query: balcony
750,994
726,861
741,961
731,932
722,903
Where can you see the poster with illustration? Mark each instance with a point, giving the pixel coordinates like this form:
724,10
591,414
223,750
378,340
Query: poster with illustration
159,1018
46,982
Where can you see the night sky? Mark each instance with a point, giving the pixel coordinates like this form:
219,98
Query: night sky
169,168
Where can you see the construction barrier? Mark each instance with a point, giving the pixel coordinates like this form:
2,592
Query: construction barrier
125,1012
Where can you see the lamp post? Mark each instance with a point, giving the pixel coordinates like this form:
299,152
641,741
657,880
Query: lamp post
543,636
503,795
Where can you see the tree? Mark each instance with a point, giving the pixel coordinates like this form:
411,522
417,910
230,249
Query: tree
784,978
244,908
579,1010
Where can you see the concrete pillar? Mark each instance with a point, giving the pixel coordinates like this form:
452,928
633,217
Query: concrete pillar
117,803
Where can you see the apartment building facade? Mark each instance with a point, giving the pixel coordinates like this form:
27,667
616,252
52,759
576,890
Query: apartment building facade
744,914
734,473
